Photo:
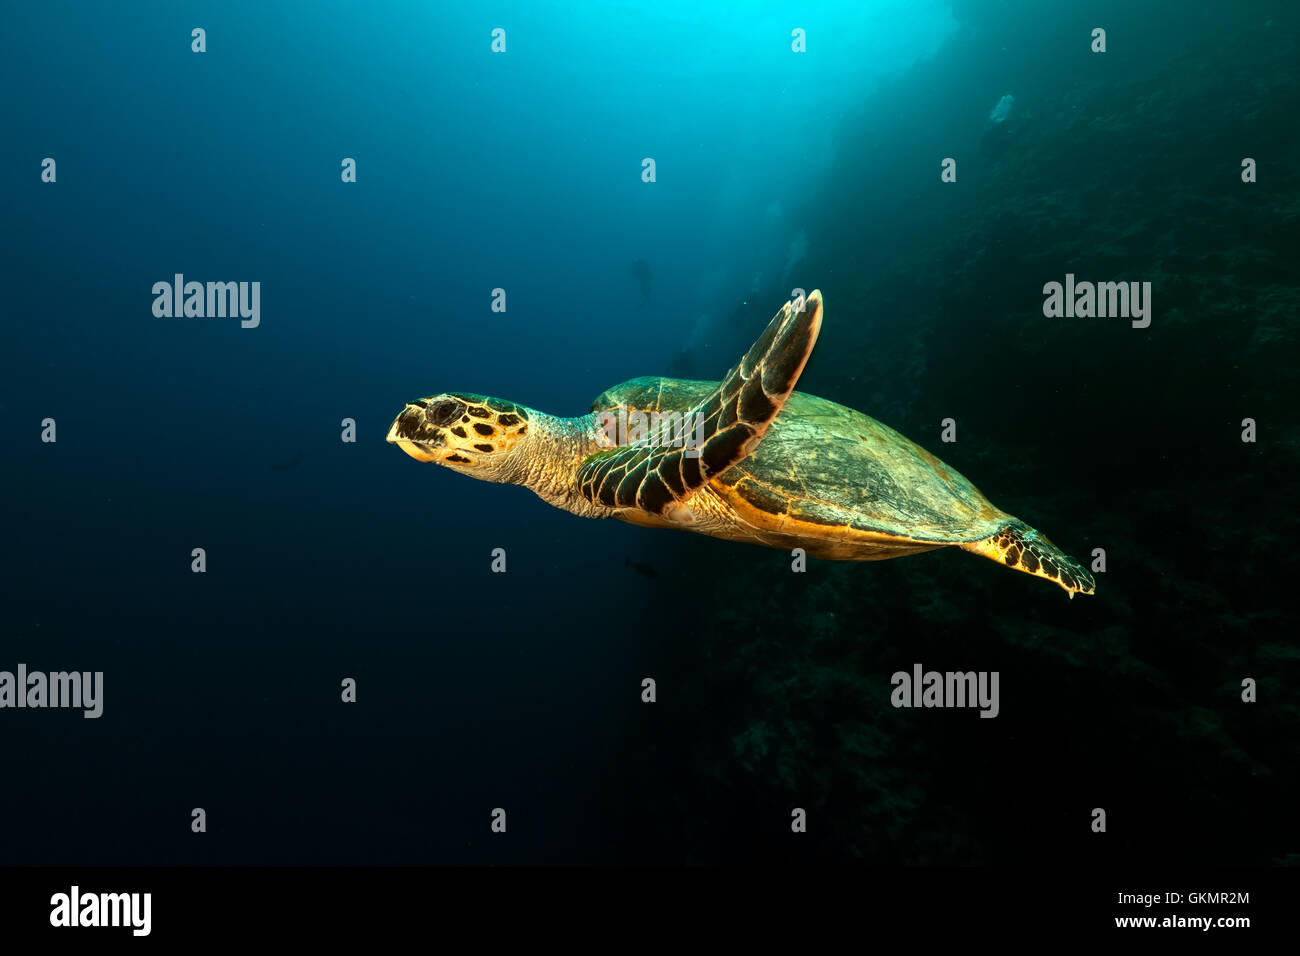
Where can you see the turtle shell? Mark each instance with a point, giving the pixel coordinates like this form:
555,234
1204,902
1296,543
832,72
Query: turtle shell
827,471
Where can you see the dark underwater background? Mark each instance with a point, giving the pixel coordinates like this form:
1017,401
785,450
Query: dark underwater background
774,170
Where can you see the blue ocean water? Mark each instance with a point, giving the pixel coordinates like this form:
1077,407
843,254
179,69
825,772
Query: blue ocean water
522,170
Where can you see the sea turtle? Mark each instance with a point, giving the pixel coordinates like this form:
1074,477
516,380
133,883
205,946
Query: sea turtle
746,459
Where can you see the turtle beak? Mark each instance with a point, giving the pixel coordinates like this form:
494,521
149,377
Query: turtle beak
412,432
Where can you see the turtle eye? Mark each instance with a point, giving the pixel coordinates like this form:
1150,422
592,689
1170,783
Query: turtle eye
445,412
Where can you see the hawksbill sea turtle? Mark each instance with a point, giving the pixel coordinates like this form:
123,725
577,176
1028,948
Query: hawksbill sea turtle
762,463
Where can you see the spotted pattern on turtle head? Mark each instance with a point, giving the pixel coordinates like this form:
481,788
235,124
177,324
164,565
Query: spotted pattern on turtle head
464,430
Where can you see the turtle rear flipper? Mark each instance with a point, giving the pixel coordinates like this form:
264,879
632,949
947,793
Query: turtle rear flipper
659,479
1021,547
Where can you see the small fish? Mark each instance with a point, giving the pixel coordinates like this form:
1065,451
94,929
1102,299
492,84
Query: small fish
640,567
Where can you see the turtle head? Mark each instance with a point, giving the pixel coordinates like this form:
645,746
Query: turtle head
472,434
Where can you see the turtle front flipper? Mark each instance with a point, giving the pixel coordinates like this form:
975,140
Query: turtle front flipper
1021,547
658,479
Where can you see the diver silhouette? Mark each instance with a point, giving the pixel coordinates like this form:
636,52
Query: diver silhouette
640,270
